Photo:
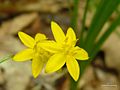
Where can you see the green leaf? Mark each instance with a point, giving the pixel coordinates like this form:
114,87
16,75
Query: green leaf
103,12
105,36
99,44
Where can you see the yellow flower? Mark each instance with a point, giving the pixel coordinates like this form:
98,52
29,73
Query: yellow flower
37,54
65,51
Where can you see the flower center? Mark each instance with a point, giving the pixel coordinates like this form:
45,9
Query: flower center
67,46
66,49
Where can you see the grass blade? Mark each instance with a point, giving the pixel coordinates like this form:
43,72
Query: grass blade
83,23
105,36
104,11
5,58
75,15
113,26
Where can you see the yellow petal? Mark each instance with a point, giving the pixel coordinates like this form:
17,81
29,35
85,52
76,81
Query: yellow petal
57,32
73,67
37,65
71,34
40,37
55,63
80,53
50,46
26,39
71,37
24,55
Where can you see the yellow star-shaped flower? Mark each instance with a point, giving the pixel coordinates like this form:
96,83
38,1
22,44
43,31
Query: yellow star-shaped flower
64,51
37,54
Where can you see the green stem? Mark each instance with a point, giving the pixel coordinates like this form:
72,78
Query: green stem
75,15
73,84
83,24
5,58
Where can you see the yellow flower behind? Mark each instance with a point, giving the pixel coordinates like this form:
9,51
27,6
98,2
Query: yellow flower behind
65,51
37,54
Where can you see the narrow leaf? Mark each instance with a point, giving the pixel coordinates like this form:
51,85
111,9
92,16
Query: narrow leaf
103,12
5,58
105,36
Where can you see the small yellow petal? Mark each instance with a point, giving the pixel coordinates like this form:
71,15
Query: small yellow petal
37,65
71,37
55,63
71,34
26,39
40,37
73,67
24,55
80,53
57,32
